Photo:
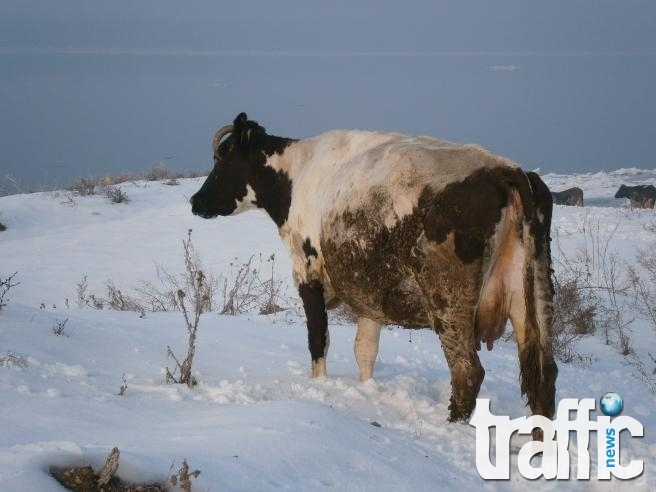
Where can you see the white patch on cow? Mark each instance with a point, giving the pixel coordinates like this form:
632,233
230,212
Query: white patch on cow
246,203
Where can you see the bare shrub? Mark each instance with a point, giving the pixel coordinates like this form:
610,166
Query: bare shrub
183,477
575,307
165,296
270,290
13,359
5,285
59,327
87,300
124,386
249,291
615,286
574,310
239,297
604,276
172,182
83,187
159,172
96,303
644,286
116,300
161,298
641,371
198,302
115,194
81,289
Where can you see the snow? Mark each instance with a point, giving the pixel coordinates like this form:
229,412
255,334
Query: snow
256,421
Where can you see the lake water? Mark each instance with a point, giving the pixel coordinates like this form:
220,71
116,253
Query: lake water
63,116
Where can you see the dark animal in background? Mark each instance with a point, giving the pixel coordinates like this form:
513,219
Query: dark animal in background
572,197
405,230
641,196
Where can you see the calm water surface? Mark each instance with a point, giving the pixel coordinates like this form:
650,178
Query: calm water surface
63,116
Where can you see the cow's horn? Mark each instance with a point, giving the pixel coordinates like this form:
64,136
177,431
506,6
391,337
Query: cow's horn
218,136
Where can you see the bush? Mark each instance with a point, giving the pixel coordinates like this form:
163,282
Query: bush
116,195
249,291
197,297
59,327
119,302
83,187
5,285
574,312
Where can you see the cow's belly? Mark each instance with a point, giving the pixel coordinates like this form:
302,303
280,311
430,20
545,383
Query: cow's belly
399,304
372,269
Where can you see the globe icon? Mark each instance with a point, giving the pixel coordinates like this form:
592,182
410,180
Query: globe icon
611,404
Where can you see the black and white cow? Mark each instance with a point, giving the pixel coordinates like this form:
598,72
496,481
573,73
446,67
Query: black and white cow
405,230
571,196
641,196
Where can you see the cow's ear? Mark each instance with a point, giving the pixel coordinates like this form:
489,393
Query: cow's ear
241,122
243,131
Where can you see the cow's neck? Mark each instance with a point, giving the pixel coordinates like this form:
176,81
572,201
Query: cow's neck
273,184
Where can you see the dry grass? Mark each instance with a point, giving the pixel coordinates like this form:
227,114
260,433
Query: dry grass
158,172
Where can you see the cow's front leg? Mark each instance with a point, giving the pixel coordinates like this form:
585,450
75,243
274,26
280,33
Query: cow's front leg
366,346
317,323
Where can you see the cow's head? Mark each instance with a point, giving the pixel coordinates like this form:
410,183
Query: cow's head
241,178
623,192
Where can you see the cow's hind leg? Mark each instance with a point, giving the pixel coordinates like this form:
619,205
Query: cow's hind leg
366,346
451,289
467,373
311,294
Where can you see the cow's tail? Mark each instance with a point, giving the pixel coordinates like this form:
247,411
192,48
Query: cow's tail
538,368
518,285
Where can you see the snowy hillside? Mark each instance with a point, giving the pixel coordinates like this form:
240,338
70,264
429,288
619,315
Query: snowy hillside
256,421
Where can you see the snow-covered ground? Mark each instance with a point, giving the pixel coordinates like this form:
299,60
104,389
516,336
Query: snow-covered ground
256,422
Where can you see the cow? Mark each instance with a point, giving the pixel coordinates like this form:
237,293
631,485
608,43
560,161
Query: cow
405,230
571,196
641,196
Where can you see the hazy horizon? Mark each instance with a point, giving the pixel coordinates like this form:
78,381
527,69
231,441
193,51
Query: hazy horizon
88,89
